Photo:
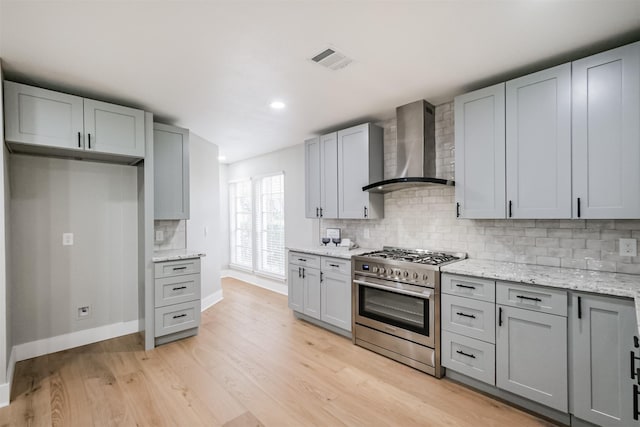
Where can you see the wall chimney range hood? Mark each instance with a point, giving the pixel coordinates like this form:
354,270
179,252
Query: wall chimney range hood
416,150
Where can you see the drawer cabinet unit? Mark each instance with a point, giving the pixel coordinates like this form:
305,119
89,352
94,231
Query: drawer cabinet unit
537,298
320,288
469,356
469,287
177,299
170,172
604,360
469,317
71,125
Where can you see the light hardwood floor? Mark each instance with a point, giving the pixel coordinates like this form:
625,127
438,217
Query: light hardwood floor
252,364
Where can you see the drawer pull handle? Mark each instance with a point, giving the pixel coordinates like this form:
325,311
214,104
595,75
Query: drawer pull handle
636,343
179,268
465,354
635,372
334,265
465,286
177,316
528,298
635,402
179,287
302,259
465,315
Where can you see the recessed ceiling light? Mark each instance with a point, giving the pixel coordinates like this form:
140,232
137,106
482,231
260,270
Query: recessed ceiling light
277,105
222,158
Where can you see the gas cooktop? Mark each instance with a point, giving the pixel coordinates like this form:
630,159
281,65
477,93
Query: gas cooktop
419,256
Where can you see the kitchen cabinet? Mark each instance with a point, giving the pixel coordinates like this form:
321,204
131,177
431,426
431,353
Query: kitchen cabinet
71,125
321,176
538,137
360,157
171,172
606,134
177,299
480,153
602,345
320,288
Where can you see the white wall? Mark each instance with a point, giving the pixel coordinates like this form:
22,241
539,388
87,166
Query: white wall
299,231
5,324
203,225
98,202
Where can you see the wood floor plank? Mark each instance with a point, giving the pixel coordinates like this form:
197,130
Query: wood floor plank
252,364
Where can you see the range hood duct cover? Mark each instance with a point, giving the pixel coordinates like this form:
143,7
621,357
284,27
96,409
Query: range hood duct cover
416,150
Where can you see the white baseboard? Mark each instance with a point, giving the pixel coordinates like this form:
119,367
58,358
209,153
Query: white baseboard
261,282
211,300
74,339
5,389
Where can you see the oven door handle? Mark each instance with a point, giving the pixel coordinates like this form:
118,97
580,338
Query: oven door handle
424,295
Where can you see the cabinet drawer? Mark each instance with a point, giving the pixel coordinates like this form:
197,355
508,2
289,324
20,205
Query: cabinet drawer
174,290
304,260
469,317
336,265
530,297
471,357
177,268
177,317
470,287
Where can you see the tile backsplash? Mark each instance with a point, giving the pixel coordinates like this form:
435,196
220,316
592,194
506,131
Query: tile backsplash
174,234
425,218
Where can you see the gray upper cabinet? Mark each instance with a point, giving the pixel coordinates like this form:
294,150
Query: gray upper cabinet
113,129
606,134
171,172
602,336
321,176
65,123
312,178
43,117
538,144
480,153
531,355
360,156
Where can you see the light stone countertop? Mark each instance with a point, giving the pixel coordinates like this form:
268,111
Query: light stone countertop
176,254
336,252
599,282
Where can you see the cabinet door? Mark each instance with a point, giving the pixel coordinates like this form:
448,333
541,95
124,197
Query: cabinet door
336,300
606,134
602,334
296,288
480,153
329,175
311,279
531,356
42,117
539,138
113,129
360,157
171,172
312,178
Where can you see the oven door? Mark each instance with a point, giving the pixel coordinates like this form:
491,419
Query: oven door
406,311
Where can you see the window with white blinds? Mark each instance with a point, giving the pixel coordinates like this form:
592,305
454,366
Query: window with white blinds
257,224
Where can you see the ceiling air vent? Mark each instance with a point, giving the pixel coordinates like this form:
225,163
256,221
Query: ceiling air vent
332,59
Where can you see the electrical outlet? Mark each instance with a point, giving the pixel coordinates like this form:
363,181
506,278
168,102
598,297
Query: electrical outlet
628,247
67,239
84,312
159,236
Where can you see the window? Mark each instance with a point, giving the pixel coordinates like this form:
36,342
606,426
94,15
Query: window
257,224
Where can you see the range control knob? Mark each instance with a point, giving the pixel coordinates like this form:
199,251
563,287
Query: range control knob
425,277
374,269
415,276
405,274
382,270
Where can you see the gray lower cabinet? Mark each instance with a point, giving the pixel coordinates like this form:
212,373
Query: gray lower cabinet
531,355
320,288
602,356
177,299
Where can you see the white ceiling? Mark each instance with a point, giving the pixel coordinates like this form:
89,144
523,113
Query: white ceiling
214,66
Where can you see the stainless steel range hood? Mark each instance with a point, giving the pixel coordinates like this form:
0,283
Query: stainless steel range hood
416,150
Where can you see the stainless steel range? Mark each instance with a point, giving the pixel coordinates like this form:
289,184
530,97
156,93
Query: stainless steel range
396,304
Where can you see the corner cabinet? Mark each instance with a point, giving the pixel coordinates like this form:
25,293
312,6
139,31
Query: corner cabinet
321,176
606,134
360,162
604,360
42,121
480,153
171,172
